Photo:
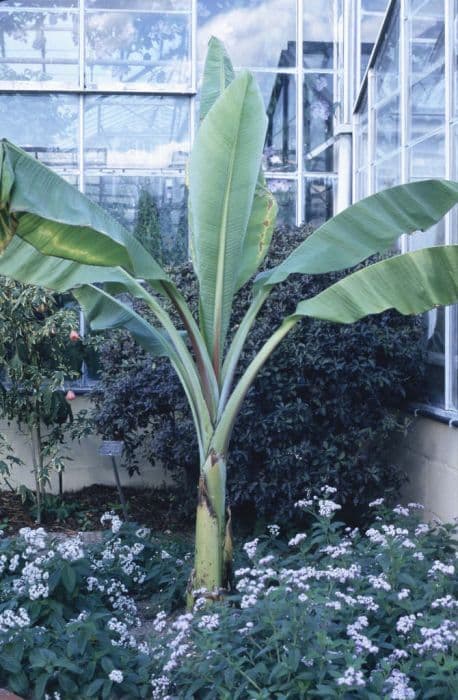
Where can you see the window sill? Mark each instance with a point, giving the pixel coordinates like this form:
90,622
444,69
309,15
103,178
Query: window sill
449,417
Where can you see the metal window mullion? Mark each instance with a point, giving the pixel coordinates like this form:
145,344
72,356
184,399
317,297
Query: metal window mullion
404,81
451,316
300,214
194,45
371,131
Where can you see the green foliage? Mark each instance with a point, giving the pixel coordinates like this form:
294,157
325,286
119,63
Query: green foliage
147,227
334,614
36,357
67,616
322,410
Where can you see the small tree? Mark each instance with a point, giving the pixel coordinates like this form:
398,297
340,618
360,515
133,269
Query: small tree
54,235
35,359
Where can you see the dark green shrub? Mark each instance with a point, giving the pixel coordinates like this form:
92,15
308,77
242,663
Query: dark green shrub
322,411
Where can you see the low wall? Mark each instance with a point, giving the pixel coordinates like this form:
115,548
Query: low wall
429,454
87,466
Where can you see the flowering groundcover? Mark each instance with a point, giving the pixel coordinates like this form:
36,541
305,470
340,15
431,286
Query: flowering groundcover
328,613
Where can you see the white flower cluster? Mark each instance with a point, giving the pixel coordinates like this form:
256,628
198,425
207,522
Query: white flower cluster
405,624
179,644
365,601
209,622
378,502
326,508
352,678
447,601
438,566
361,641
400,688
114,520
403,594
124,555
401,510
125,638
251,547
34,579
116,676
297,539
379,582
11,620
160,685
273,530
339,550
36,539
160,621
437,639
71,549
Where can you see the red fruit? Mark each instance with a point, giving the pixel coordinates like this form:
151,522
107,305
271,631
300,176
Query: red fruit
70,395
74,336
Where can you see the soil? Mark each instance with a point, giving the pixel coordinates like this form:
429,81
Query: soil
77,511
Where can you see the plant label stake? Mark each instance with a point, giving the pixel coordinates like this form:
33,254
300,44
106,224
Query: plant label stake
114,448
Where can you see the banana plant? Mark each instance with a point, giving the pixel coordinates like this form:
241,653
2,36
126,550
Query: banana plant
52,235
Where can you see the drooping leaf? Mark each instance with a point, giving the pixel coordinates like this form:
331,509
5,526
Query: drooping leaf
41,208
223,172
368,227
104,312
22,262
410,283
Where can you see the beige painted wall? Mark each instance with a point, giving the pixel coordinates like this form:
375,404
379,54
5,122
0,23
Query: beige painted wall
429,454
87,467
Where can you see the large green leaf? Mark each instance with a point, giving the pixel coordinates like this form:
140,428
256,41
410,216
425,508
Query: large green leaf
22,262
410,283
259,232
368,227
223,172
39,207
104,312
218,74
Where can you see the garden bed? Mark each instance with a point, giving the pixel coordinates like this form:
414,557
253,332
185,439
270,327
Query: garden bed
82,510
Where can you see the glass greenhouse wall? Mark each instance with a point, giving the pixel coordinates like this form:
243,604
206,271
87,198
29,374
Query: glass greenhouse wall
105,92
406,128
111,86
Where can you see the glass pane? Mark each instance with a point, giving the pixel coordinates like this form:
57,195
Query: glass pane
319,199
39,3
427,160
428,104
135,131
387,68
153,5
152,208
39,46
374,5
388,173
387,128
371,21
279,93
256,33
427,41
136,48
361,184
318,120
285,194
435,342
427,7
318,48
51,135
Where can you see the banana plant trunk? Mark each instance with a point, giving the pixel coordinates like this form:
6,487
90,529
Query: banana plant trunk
213,544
